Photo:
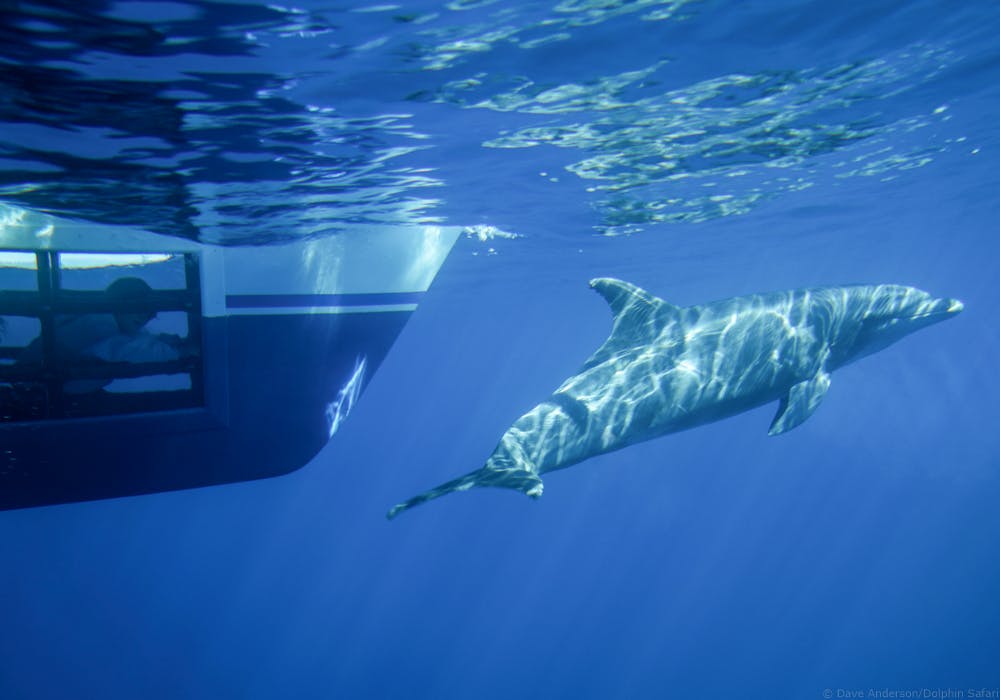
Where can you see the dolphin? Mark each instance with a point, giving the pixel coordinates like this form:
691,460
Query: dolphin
666,368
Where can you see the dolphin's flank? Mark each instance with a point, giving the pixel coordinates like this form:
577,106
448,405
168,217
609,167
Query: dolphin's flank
666,368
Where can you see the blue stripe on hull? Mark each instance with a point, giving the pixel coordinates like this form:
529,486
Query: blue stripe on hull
262,301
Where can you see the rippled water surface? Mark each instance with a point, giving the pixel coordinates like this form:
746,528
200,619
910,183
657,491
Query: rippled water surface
242,122
700,149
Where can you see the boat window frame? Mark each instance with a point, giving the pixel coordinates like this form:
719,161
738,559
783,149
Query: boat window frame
48,300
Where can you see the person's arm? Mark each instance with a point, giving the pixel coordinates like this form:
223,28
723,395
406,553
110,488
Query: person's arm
184,346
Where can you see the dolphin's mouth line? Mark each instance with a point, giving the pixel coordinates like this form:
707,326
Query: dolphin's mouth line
953,308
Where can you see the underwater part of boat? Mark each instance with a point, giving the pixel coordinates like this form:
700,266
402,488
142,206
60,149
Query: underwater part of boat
132,362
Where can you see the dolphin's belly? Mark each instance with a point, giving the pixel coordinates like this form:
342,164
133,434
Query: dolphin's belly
671,402
646,394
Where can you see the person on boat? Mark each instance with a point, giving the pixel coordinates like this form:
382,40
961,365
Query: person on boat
110,337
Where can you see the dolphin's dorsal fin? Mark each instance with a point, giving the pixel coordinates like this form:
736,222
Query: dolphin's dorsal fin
639,317
799,403
623,297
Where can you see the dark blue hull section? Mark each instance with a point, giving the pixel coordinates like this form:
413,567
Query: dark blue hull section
269,383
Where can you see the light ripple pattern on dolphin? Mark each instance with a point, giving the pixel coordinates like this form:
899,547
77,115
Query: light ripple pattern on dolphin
666,368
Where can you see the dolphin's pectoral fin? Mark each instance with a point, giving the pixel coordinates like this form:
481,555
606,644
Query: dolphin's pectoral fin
799,403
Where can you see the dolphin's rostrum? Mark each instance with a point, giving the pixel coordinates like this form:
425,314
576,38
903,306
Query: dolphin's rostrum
665,368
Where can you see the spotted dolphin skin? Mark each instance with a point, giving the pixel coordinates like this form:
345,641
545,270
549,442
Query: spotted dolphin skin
665,368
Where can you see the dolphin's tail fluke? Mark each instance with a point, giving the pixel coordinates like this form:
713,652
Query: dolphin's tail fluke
520,479
462,483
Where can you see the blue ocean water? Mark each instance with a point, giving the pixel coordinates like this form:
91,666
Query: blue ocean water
698,149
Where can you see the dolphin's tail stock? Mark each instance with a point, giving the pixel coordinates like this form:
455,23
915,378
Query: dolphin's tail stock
521,479
462,483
